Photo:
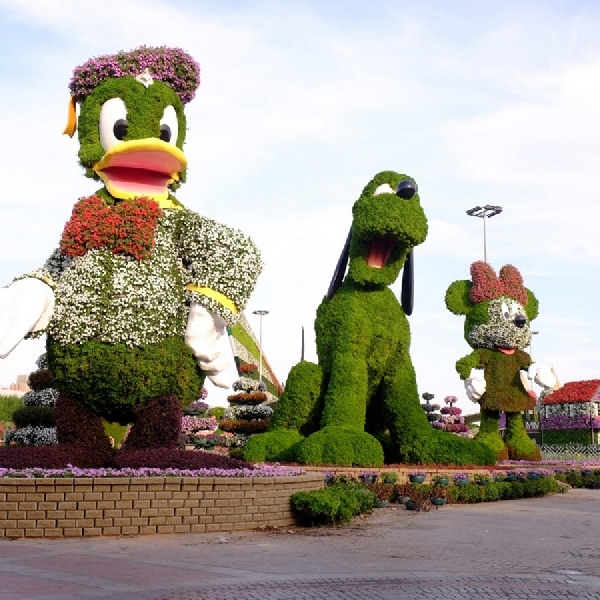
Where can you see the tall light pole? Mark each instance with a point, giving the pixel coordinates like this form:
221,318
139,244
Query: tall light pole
261,314
531,343
484,212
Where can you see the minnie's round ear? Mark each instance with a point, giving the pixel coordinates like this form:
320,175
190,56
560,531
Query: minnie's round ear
532,307
457,297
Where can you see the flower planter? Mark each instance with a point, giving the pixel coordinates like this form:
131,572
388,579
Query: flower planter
403,499
510,478
416,478
461,482
381,503
442,481
533,475
411,505
499,478
439,501
368,478
586,473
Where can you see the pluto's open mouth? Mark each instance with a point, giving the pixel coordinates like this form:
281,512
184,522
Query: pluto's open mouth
380,249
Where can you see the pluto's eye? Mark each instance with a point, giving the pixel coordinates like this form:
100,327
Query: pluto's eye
169,127
406,189
113,122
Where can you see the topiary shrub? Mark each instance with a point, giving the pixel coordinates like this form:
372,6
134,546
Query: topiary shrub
35,416
40,379
273,446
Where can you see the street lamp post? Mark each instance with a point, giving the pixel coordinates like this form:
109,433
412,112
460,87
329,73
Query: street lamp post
261,314
484,212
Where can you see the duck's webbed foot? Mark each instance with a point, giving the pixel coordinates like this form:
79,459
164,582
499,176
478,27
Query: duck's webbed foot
79,428
156,424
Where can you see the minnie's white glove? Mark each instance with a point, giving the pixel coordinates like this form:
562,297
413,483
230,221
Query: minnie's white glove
544,376
206,335
475,385
26,306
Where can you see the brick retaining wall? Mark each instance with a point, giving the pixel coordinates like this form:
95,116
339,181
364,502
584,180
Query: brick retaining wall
146,505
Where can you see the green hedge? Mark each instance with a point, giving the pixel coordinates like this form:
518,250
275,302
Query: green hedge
567,436
336,503
8,405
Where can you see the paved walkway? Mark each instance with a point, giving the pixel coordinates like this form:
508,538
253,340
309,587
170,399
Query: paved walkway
542,548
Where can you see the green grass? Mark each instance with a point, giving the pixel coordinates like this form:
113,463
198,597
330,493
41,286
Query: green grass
8,405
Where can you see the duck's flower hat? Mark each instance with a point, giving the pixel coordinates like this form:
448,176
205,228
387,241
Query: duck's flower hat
173,66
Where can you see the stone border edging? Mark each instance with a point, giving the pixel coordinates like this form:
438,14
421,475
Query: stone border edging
81,507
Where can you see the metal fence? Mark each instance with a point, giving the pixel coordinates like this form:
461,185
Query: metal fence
570,452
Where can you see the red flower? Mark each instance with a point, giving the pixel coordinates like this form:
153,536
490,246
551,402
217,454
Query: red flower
126,228
575,391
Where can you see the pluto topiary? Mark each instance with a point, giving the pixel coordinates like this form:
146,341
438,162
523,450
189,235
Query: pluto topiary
362,396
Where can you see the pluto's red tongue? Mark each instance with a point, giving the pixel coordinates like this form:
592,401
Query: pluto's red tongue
506,350
379,252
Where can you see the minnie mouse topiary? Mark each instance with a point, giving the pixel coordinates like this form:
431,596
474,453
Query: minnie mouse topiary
498,312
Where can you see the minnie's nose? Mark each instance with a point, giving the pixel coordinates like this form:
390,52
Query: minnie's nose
520,321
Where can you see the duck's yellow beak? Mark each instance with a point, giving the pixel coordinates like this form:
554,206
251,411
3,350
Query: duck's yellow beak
140,168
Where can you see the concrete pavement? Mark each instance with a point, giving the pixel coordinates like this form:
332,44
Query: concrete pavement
542,548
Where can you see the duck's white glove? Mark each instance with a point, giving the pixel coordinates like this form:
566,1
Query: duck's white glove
206,335
544,376
475,385
26,306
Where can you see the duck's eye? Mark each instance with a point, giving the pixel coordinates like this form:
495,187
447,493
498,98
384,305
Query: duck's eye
120,129
113,122
169,126
165,133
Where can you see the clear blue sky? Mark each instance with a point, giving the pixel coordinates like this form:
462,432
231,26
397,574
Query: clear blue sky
301,104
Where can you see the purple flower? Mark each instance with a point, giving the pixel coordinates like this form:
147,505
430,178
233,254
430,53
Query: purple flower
173,66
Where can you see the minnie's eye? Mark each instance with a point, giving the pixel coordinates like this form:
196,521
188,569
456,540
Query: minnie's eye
169,127
505,311
113,122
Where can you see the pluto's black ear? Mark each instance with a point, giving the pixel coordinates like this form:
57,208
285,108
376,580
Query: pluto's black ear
340,269
407,295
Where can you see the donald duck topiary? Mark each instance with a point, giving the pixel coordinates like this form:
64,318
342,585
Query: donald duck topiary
498,311
136,299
